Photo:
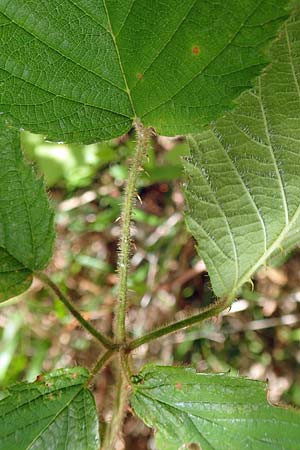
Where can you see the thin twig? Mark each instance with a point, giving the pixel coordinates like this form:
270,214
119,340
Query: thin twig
102,361
210,311
105,341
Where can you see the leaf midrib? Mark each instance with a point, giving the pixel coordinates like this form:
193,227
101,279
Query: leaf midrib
80,8
265,404
289,222
60,411
119,59
272,153
170,407
54,418
129,91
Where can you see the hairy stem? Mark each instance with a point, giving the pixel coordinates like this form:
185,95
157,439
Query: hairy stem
121,398
105,341
210,311
114,428
143,137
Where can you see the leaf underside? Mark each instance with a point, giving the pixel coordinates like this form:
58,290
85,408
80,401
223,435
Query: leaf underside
26,219
243,189
84,70
214,411
55,413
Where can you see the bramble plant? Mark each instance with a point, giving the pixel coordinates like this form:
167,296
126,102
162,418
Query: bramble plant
87,70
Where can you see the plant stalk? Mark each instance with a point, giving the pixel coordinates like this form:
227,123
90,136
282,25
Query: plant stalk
210,311
102,361
143,138
105,341
121,398
119,410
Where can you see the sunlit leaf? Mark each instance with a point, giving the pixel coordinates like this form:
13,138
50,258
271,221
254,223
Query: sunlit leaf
211,411
243,187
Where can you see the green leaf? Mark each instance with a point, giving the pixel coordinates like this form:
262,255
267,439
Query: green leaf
243,187
83,70
55,413
212,411
26,219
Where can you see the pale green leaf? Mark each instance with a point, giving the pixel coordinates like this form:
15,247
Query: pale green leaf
83,70
57,412
26,219
212,411
243,187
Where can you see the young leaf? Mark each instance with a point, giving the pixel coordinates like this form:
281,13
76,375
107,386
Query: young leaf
83,70
26,219
243,187
211,411
57,412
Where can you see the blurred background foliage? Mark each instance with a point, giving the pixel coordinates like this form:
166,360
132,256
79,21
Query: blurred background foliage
259,337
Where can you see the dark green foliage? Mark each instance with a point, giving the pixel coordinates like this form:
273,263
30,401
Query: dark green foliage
175,65
26,219
57,412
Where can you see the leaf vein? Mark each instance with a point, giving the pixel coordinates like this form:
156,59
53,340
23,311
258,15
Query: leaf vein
59,52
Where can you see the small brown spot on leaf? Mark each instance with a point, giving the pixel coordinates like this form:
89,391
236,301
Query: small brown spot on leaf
139,76
178,386
40,378
196,50
194,447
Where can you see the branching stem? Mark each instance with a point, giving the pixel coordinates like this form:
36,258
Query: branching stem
143,137
105,341
120,346
113,429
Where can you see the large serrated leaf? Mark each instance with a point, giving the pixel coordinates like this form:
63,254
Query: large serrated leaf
26,219
57,412
83,70
243,187
212,411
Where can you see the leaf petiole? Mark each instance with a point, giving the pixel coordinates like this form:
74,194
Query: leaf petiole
100,364
105,341
207,312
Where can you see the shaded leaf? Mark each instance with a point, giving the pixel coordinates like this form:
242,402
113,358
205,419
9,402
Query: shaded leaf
213,411
55,413
26,219
243,187
83,70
